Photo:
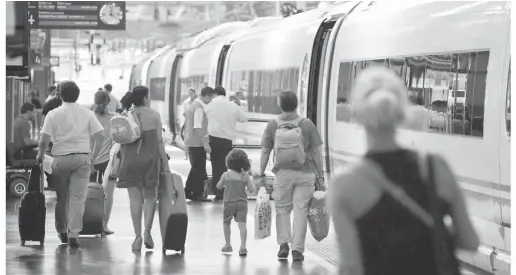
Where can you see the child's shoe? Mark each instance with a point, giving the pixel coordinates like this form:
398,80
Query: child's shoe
227,249
242,252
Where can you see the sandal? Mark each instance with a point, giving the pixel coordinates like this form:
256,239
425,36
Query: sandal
227,249
242,252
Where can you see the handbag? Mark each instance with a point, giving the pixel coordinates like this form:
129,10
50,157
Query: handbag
442,241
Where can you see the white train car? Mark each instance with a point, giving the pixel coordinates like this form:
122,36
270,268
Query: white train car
265,61
433,46
194,63
476,142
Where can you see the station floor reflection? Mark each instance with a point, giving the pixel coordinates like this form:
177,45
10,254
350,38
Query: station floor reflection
112,254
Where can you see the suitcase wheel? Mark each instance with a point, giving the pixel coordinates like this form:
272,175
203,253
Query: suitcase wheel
23,243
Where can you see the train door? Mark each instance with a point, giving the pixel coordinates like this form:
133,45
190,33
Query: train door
316,74
220,65
174,95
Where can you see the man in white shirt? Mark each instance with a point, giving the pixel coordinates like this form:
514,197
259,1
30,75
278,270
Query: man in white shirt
114,103
223,116
70,127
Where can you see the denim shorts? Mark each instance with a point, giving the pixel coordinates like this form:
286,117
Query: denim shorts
237,210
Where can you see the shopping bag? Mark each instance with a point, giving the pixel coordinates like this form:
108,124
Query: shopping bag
262,215
318,216
47,164
116,156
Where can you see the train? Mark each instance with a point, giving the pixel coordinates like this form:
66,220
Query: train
453,56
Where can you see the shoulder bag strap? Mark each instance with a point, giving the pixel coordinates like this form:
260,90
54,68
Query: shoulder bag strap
139,122
398,193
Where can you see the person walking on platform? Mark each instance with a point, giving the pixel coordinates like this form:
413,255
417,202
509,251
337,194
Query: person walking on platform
71,127
52,102
114,104
223,116
23,143
297,166
51,93
107,184
140,166
100,162
234,182
388,207
34,98
197,143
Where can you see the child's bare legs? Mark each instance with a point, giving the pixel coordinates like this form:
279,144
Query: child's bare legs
227,235
243,235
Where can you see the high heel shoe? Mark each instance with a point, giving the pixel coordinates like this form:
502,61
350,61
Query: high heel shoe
137,244
149,243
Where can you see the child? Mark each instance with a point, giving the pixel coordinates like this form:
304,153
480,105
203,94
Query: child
235,198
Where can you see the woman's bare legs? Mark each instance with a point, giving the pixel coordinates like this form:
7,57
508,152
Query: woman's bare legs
109,189
150,197
136,205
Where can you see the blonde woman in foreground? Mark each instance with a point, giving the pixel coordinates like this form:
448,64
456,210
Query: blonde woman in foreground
388,208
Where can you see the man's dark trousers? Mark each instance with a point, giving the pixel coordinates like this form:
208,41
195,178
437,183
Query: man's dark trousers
220,148
194,187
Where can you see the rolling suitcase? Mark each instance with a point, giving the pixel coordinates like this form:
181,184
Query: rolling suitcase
173,218
93,218
32,210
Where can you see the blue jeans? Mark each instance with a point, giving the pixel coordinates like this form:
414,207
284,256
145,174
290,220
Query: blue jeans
292,191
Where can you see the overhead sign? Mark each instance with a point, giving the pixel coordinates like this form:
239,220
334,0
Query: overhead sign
89,15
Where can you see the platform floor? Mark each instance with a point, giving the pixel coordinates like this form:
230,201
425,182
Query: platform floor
112,254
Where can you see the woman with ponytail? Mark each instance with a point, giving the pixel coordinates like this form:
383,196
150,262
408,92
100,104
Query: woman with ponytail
104,116
388,208
114,160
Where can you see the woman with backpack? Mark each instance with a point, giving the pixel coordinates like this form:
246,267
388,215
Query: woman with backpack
388,209
140,166
113,167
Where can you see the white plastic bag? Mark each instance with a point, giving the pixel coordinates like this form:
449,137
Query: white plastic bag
318,216
262,215
47,164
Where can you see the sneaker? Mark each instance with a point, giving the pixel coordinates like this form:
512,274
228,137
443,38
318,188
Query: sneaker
297,256
63,237
74,242
283,251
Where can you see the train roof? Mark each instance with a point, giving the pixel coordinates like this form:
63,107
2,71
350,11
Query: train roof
197,40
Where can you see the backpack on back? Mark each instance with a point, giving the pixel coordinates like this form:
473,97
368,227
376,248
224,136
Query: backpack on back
125,129
289,146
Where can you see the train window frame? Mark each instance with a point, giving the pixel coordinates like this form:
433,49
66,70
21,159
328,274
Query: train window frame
473,65
508,104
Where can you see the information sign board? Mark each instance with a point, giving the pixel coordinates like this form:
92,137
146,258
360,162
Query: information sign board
89,15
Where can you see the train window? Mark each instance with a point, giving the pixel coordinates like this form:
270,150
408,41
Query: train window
261,88
447,91
344,92
508,104
157,88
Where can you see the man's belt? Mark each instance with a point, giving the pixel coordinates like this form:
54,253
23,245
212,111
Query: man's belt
72,154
